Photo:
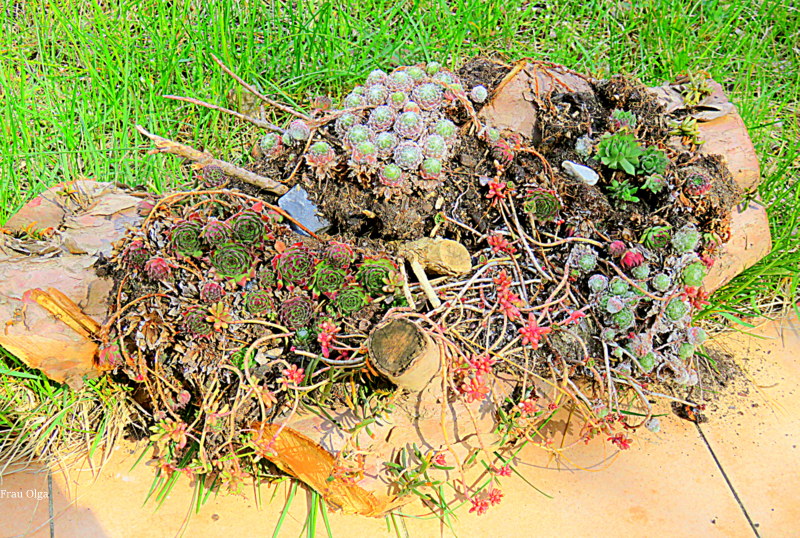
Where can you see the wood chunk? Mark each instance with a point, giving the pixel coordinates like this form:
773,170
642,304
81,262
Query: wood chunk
404,354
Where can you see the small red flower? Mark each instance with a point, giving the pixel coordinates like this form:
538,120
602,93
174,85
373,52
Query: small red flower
696,296
574,317
440,459
707,260
505,470
631,259
327,333
293,375
474,389
495,496
532,333
500,244
528,406
497,191
479,506
621,441
482,364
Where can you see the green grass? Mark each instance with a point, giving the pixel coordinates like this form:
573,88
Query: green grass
76,76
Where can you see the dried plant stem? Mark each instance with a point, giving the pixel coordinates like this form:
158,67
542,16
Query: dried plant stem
164,145
262,124
254,91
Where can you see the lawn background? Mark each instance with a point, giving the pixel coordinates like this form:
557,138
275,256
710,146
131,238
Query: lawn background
76,75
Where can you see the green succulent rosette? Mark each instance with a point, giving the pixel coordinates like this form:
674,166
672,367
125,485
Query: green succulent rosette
258,302
339,254
350,299
195,324
232,260
542,204
327,279
294,265
296,312
247,226
373,272
216,232
185,238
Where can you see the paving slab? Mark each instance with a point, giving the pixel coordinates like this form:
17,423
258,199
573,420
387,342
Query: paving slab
756,432
24,504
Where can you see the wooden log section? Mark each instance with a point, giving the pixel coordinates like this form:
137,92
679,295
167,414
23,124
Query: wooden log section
403,353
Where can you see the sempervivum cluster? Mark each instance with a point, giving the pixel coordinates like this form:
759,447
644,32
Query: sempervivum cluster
395,127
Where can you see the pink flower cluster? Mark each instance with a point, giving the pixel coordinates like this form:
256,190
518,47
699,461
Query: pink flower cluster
293,375
508,300
327,333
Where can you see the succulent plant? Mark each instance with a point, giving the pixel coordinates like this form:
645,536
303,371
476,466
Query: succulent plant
623,191
135,255
409,125
432,68
157,269
479,94
608,335
298,130
408,155
416,73
657,237
377,76
339,254
661,282
258,302
685,240
320,155
376,95
598,283
296,312
345,122
213,176
652,161
502,152
216,232
428,96
446,129
372,274
381,118
618,286
631,259
696,336
641,344
676,309
542,204
641,272
617,248
622,119
321,103
434,146
350,299
386,142
391,175
624,319
399,81
397,100
185,238
354,100
232,260
327,278
587,262
358,134
654,183
492,135
271,144
219,315
431,169
693,274
195,324
267,276
211,292
688,131
247,226
647,362
619,151
445,77
294,264
614,305
685,351
365,153
696,181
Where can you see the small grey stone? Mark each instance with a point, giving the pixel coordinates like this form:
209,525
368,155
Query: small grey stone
297,204
580,172
583,146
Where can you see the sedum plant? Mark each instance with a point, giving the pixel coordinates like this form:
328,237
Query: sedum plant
619,151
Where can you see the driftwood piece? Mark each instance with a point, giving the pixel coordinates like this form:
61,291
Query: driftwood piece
206,159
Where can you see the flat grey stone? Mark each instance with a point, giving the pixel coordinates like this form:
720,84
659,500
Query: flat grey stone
580,172
297,204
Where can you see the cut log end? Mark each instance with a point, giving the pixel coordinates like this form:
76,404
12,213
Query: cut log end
403,353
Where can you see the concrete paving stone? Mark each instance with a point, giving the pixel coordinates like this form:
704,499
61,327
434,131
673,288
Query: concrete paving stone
24,505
